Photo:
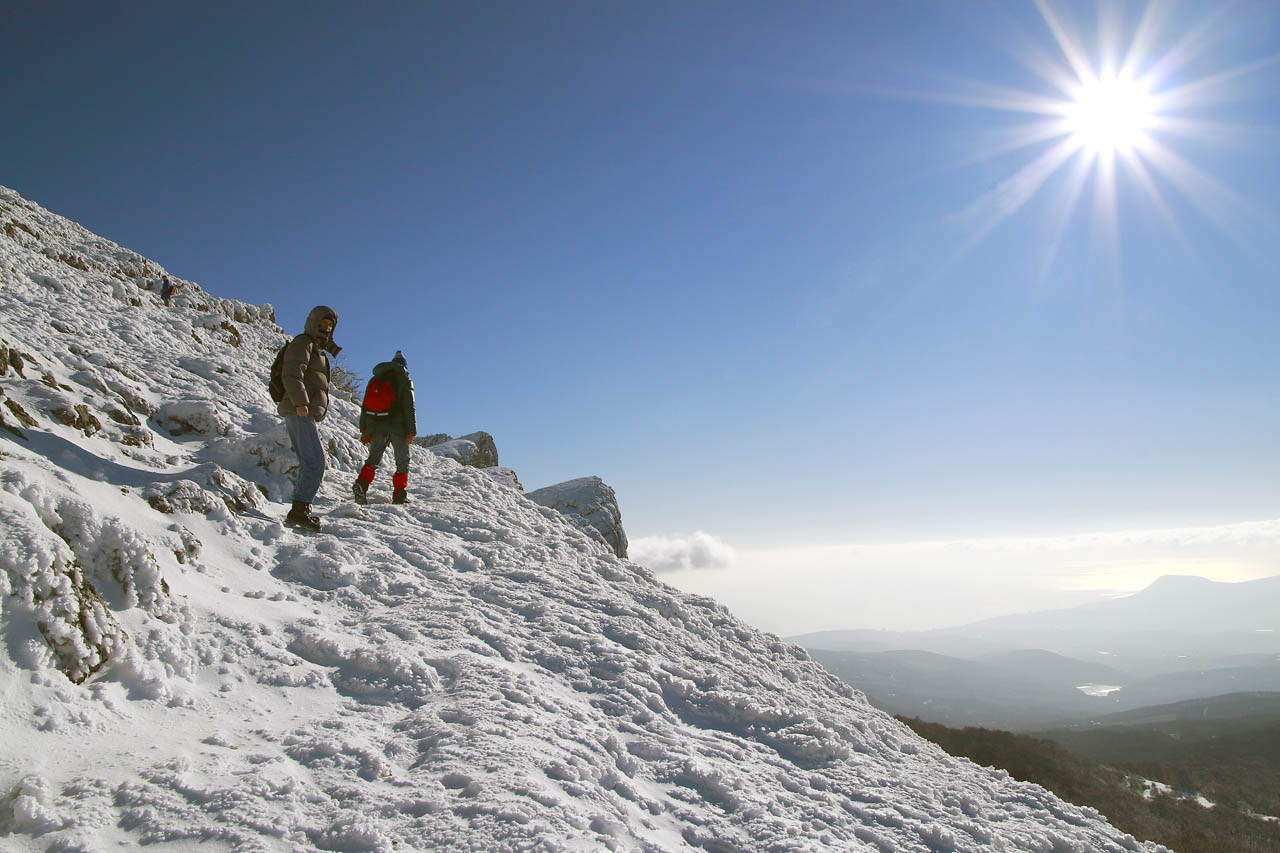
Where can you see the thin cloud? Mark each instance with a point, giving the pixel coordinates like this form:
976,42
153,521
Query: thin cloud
696,551
942,583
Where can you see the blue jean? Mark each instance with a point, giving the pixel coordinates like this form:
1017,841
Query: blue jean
304,435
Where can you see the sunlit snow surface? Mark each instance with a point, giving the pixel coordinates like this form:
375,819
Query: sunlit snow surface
469,672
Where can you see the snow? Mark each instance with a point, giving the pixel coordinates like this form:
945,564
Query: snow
1099,689
471,671
1152,789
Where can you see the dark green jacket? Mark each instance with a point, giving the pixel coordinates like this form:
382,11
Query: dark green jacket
402,419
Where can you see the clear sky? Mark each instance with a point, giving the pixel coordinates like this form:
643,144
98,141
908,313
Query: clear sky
791,274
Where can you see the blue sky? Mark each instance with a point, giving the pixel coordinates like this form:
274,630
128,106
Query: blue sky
734,258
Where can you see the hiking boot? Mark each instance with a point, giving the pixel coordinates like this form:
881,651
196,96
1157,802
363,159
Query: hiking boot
300,516
400,496
359,489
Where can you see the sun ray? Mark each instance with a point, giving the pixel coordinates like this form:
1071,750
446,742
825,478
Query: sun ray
1235,215
985,96
1115,111
1191,46
1061,212
1222,133
1074,55
1010,140
1046,65
1012,193
1140,46
1207,90
1109,29
1103,226
1138,169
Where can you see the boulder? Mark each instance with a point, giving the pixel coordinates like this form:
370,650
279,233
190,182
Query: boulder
198,416
505,476
476,450
590,504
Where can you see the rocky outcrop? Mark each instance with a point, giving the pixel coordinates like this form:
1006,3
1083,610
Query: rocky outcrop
589,503
505,476
476,450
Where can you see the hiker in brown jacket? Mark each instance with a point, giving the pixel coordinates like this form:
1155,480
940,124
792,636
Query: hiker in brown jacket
304,372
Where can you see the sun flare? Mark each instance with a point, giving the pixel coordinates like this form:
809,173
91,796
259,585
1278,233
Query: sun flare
1111,114
1120,98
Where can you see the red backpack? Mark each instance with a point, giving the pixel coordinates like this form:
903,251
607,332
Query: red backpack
379,396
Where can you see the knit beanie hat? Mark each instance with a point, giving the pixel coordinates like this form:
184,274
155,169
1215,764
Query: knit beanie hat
399,359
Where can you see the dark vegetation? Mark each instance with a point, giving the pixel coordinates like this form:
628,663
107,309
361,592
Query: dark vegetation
343,380
1238,772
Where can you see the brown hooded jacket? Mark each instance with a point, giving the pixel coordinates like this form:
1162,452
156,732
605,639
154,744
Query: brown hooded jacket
305,369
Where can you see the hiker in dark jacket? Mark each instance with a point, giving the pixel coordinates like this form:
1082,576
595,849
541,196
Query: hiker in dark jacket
166,289
305,374
381,424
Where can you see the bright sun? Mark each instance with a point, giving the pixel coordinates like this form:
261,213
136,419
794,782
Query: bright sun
1113,112
1110,114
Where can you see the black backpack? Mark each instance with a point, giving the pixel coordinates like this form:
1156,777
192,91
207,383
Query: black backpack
276,385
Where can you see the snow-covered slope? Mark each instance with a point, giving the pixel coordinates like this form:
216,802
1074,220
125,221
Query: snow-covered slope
468,672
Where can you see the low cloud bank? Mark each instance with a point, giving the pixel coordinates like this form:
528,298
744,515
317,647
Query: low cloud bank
695,551
923,585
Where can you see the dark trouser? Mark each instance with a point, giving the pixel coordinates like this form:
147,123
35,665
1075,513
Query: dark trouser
304,435
377,447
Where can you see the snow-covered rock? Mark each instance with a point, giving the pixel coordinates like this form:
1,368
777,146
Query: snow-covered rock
476,450
471,671
505,476
591,504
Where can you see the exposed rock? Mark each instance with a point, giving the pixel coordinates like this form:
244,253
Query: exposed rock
138,436
90,379
183,496
217,322
133,400
591,504
13,430
505,476
181,417
123,416
233,334
81,418
222,489
20,413
75,627
46,583
476,450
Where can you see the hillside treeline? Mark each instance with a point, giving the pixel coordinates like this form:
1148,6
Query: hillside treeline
1242,780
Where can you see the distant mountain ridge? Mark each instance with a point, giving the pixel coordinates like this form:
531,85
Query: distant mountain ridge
1229,706
1176,623
1179,639
1195,605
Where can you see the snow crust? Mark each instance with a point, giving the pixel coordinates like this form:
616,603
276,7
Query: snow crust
468,672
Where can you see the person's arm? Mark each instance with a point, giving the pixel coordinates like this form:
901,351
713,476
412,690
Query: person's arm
410,411
293,372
